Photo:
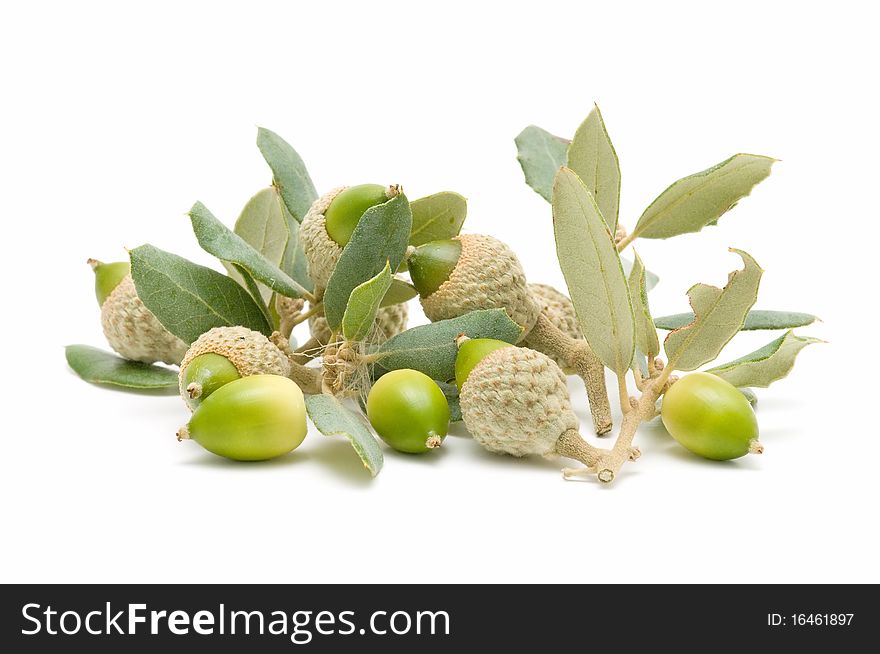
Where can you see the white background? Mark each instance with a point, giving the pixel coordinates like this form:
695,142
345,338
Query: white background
115,120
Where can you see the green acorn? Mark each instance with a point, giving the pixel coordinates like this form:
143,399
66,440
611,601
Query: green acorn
225,354
252,419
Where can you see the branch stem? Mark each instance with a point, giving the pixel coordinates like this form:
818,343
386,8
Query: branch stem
624,394
626,240
577,355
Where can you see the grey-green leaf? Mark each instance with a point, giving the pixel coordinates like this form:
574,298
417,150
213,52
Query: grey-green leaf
333,419
431,348
651,279
217,239
189,299
294,260
591,155
540,155
380,238
593,272
701,199
750,395
399,292
718,315
766,365
256,291
646,333
437,217
757,319
289,174
262,225
99,367
451,393
363,305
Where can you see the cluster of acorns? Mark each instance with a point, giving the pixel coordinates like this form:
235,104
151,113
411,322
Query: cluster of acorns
246,389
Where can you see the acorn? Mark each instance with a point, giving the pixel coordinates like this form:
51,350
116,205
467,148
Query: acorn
472,272
131,329
408,411
514,400
330,222
251,419
224,354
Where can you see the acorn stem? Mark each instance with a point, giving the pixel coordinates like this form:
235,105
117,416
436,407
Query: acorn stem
572,445
577,355
308,379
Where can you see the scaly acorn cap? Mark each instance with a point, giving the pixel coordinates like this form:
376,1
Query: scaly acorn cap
488,275
133,331
558,308
516,402
390,321
322,252
250,352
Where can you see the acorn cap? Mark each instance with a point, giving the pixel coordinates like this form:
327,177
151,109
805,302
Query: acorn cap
516,402
133,331
488,276
250,352
558,309
322,252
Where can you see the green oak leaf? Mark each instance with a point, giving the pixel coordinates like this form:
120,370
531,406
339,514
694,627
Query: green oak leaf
757,319
99,367
399,292
646,333
651,279
437,217
451,393
289,174
718,315
363,305
431,348
540,155
293,262
333,419
592,157
701,199
379,239
189,299
766,365
593,273
217,239
262,226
